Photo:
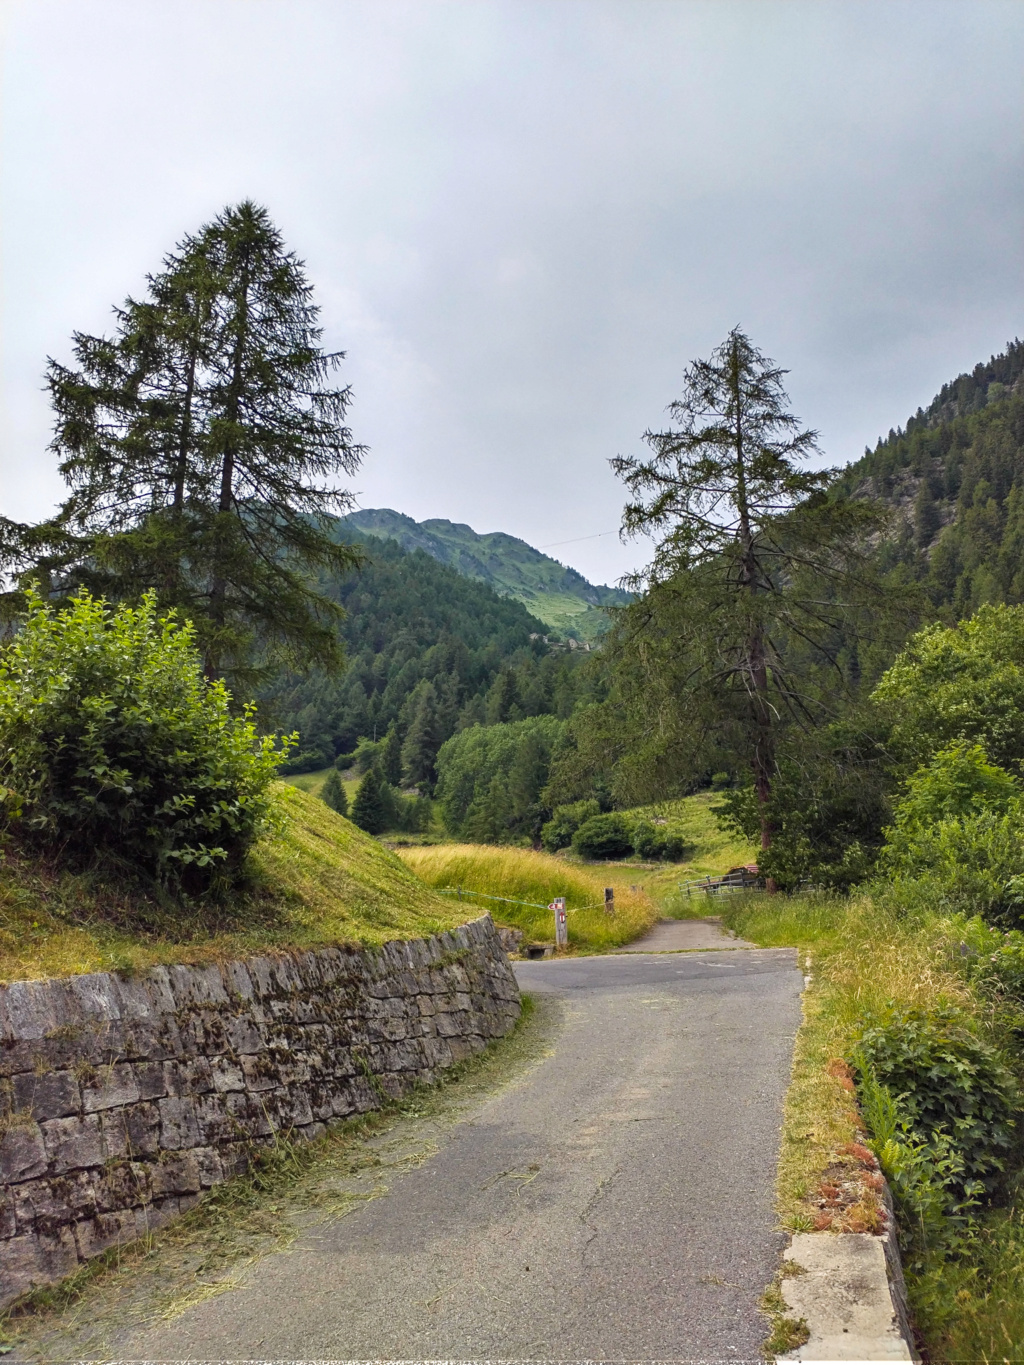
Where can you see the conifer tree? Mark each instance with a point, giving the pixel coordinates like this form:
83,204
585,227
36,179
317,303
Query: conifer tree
369,809
333,793
422,741
754,566
202,446
391,756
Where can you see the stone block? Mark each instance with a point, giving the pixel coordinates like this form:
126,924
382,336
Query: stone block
97,995
258,1074
175,1175
74,1143
141,1129
150,1080
226,1075
96,1235
209,1165
23,1152
31,1261
243,1035
179,1126
53,1095
113,1087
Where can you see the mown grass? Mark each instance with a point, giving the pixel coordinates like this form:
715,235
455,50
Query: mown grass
315,879
861,957
521,874
313,783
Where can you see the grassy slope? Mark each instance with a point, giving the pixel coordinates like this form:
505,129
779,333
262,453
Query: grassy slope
318,880
313,782
525,876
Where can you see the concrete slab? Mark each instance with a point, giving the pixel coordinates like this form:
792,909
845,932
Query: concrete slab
843,1295
686,935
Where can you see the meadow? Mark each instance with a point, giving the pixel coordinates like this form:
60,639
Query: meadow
524,883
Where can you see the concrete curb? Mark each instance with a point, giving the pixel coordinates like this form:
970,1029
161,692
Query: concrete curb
849,1290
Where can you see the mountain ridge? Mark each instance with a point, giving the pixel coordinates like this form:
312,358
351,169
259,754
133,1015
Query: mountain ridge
557,595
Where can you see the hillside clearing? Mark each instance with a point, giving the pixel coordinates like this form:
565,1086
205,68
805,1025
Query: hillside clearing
316,879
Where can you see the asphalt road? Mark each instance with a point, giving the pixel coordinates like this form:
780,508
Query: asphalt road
614,1204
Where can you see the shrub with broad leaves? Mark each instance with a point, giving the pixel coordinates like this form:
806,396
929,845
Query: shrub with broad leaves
114,746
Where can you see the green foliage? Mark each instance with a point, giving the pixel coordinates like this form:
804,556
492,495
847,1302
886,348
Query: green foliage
409,622
602,837
967,866
652,842
391,756
333,792
961,685
113,744
491,777
565,821
950,1089
369,809
957,783
828,806
757,580
202,446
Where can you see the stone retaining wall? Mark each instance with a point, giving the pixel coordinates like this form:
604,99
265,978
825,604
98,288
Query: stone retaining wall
121,1100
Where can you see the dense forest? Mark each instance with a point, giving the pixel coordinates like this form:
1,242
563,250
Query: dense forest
429,652
955,478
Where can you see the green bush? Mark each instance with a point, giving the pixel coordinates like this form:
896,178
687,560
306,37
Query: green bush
651,842
114,745
950,1090
603,836
968,866
558,831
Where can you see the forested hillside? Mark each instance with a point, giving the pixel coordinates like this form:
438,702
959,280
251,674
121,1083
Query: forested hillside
956,478
558,596
428,651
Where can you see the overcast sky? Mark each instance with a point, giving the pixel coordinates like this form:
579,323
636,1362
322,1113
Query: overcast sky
523,219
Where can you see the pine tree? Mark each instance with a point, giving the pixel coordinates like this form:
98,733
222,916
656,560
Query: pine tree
391,756
369,809
755,569
503,699
422,741
201,446
333,793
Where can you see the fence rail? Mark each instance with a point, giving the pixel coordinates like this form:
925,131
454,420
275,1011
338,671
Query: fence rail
734,883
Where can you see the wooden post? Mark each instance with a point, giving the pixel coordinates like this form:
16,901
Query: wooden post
609,900
561,922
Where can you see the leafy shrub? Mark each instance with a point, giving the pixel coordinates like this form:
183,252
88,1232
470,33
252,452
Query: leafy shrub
334,794
966,866
950,1089
651,842
564,823
113,744
957,783
603,836
490,779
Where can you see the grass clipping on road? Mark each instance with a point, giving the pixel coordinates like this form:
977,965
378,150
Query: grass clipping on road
864,958
291,1188
316,879
522,875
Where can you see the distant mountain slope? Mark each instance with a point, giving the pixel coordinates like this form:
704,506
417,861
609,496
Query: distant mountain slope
560,597
956,478
427,650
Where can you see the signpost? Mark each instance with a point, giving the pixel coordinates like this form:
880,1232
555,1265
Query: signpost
609,900
561,922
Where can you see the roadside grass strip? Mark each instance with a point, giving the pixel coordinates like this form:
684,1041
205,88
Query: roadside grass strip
863,960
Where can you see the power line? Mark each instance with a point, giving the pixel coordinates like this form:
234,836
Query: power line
551,544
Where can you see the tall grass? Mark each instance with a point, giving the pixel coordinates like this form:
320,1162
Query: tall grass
520,874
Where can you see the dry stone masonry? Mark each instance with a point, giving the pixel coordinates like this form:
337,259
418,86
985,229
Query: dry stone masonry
121,1100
